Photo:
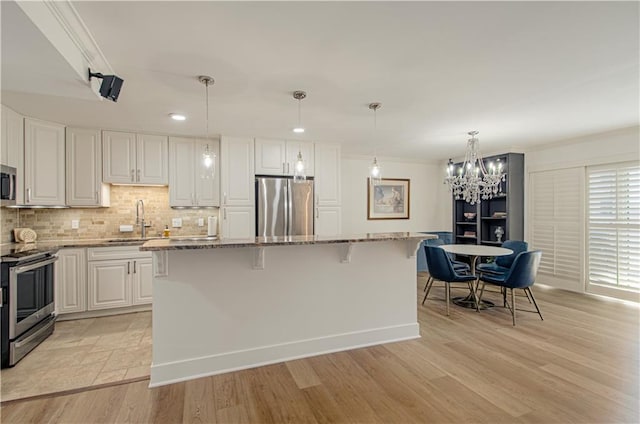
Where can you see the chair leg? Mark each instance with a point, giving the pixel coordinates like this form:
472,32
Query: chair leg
526,293
448,295
481,291
513,306
530,293
429,284
504,297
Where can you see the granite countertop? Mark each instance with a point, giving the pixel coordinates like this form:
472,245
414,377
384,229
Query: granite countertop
54,245
204,243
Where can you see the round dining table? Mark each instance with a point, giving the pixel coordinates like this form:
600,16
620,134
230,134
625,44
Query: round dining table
473,251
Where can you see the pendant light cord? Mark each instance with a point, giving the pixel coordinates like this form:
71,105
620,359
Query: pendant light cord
206,84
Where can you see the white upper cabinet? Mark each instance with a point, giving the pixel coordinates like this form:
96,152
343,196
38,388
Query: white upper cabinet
12,147
84,168
44,167
152,159
189,182
135,158
327,171
237,176
278,157
271,157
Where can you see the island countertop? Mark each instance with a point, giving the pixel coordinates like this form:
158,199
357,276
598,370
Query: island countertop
186,243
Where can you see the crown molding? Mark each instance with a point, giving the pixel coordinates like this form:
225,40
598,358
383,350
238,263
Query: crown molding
61,24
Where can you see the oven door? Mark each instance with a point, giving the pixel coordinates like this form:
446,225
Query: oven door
31,298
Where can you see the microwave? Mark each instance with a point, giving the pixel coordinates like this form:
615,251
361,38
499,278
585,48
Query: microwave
8,180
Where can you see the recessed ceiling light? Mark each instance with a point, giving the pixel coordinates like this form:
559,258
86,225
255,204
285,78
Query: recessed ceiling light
177,117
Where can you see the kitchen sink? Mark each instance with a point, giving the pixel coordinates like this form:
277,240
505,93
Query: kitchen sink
194,238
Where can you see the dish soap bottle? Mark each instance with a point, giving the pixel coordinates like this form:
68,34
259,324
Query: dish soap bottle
166,232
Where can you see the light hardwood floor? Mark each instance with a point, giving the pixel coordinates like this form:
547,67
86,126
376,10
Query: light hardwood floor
579,365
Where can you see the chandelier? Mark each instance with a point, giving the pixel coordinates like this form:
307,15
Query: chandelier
472,182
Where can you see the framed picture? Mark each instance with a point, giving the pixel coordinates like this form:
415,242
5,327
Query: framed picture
388,199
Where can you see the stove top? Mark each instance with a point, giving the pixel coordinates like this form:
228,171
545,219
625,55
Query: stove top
15,253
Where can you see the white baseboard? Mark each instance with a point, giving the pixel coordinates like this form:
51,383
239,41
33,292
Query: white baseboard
103,312
174,372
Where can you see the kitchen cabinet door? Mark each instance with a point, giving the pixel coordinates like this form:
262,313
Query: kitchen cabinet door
189,183
238,222
119,157
328,221
71,281
271,157
207,186
306,149
181,172
12,147
142,281
109,284
152,155
44,170
237,177
84,168
327,174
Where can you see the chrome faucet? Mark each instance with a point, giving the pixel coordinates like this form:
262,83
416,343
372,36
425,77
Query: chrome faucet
140,218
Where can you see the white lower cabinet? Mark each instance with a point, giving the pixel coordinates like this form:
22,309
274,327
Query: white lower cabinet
101,278
71,281
328,221
109,284
142,281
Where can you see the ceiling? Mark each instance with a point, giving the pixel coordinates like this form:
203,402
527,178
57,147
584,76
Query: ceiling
521,73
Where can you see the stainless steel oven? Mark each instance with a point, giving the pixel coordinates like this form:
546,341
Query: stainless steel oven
27,303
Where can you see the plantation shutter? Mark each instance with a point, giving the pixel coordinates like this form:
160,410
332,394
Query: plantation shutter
614,226
557,222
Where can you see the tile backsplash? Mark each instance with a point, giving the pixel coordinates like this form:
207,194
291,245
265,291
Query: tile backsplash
100,223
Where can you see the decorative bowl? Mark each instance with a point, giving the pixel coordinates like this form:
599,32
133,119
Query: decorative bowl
470,216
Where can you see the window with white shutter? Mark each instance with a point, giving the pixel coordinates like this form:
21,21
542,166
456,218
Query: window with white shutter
613,248
556,226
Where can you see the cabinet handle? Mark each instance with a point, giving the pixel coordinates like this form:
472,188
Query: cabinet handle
96,194
128,267
225,213
133,172
134,267
283,171
28,195
317,213
288,171
138,175
225,199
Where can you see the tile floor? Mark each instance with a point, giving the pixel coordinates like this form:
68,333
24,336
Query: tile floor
83,353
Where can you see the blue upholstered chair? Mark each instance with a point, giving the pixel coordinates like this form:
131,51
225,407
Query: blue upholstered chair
521,275
460,267
441,268
502,264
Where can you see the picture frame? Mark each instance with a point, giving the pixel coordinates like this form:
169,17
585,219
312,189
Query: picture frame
388,199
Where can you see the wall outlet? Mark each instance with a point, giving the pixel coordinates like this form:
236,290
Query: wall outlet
126,228
75,224
200,222
176,222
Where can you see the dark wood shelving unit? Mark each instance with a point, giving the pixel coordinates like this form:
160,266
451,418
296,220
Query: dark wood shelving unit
510,200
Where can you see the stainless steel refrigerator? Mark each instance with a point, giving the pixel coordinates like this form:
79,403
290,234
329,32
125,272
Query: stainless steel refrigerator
283,207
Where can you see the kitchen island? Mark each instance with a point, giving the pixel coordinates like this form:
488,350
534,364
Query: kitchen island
224,305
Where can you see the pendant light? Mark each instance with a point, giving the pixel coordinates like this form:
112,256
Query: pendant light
208,156
375,172
299,166
299,95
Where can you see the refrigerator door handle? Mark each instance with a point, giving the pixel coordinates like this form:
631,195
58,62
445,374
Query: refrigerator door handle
287,208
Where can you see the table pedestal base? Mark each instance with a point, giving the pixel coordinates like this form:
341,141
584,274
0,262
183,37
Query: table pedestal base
468,302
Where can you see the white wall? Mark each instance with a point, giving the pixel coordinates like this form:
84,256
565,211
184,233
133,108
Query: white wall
430,202
609,147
